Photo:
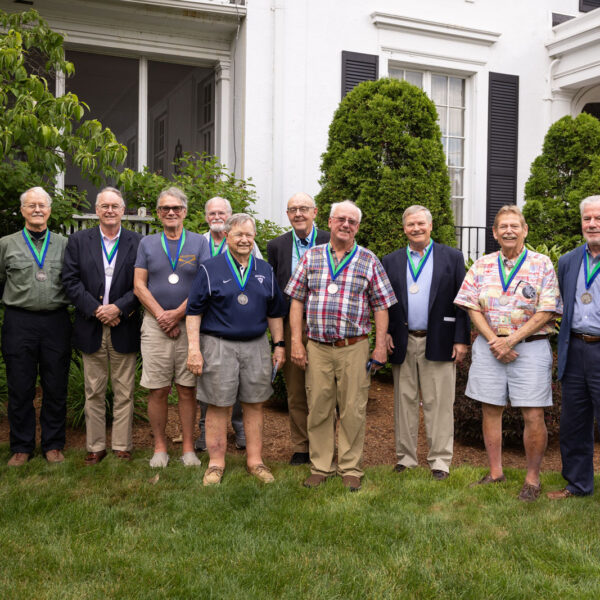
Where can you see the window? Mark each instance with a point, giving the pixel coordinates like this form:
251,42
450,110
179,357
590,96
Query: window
448,95
160,144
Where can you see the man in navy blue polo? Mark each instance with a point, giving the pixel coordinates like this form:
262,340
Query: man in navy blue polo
233,300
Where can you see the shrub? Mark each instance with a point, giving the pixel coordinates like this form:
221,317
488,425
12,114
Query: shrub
385,153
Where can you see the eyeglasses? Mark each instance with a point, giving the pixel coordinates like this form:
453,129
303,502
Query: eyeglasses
36,205
342,220
165,210
113,207
299,209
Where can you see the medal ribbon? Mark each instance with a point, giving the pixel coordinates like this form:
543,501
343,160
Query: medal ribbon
165,246
40,256
503,280
311,242
111,255
335,271
416,271
241,281
215,251
589,277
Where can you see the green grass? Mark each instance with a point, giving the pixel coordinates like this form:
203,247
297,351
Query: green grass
68,531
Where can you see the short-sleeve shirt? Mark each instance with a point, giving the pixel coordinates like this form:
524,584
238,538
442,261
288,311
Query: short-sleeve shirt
362,286
215,292
533,289
152,257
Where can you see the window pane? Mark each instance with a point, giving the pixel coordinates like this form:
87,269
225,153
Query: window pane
456,125
439,89
443,119
457,209
180,113
456,181
415,78
457,91
396,73
455,152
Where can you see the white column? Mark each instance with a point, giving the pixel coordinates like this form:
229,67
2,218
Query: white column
143,114
60,91
223,110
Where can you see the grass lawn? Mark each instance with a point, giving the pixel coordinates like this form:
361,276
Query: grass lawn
111,531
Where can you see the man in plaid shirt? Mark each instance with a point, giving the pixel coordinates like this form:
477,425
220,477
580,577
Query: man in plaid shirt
338,284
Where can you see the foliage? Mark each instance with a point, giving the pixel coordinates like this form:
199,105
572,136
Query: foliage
39,132
201,177
385,153
567,171
123,530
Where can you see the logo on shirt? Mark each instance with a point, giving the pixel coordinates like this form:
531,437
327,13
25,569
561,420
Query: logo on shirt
187,259
226,280
260,278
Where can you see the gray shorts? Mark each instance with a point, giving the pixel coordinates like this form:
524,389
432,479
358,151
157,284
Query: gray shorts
527,381
234,371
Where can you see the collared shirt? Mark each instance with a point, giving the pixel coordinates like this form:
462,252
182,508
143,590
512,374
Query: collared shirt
362,286
109,244
300,246
418,304
214,295
534,289
586,317
18,269
255,248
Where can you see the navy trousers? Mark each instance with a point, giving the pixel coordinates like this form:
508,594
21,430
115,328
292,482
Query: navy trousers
580,400
35,342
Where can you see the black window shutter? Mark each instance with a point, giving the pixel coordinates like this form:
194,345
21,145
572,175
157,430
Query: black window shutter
588,5
503,141
356,68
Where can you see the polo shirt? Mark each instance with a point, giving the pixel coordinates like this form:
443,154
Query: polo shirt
214,295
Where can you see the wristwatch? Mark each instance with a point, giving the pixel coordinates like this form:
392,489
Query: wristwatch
280,344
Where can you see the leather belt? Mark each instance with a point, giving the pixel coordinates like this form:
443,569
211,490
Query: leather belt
533,338
345,342
588,339
418,333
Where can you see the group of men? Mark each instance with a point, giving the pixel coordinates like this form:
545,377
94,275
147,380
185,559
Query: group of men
208,300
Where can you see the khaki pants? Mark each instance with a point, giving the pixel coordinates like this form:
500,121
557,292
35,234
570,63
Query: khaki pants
337,376
437,382
122,376
296,393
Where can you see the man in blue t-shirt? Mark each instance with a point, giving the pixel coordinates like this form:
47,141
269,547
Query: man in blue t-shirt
233,300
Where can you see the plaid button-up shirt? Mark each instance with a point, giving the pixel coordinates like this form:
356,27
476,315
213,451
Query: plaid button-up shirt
362,286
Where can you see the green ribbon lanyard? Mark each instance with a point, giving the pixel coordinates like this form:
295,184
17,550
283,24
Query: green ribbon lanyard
165,246
241,281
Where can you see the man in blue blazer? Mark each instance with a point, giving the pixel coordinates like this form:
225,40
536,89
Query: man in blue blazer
98,280
427,335
579,355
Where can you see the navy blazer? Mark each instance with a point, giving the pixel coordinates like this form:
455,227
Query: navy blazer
83,280
446,323
279,256
568,271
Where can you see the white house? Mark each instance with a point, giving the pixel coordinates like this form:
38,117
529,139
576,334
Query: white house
256,82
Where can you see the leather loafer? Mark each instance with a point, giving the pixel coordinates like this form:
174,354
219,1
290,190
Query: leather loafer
487,479
439,475
122,454
93,458
560,494
55,456
315,480
299,458
261,472
351,482
530,492
18,459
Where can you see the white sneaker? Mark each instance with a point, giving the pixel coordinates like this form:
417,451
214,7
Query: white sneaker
189,459
160,459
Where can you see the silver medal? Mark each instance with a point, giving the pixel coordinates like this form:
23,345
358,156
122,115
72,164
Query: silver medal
173,278
414,288
242,299
586,297
503,300
109,271
333,288
42,276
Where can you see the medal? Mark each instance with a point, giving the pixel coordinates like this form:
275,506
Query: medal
589,277
242,299
42,276
40,256
109,271
173,278
414,288
242,281
586,297
332,288
503,300
416,271
335,272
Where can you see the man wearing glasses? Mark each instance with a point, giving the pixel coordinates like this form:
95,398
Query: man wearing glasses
165,268
340,283
98,279
284,253
36,330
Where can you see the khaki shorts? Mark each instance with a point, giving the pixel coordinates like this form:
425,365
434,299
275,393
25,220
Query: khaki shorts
164,359
234,371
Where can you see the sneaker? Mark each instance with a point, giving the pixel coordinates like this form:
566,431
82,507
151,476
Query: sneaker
160,459
400,468
200,444
261,472
213,476
18,459
55,456
240,443
189,459
529,492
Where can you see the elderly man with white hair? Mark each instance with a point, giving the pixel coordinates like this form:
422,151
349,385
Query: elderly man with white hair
36,330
